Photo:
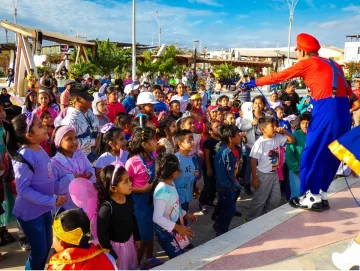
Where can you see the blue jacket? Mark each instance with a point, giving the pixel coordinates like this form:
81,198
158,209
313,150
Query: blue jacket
225,166
128,103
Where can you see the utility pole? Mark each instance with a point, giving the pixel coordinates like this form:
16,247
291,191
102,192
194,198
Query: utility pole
134,40
292,4
156,16
15,5
196,42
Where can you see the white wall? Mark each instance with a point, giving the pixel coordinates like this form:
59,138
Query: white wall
352,51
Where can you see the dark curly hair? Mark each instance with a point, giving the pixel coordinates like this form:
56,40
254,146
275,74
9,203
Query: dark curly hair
166,166
140,135
164,127
103,184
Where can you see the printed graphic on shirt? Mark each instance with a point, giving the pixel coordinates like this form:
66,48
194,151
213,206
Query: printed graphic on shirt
274,160
173,212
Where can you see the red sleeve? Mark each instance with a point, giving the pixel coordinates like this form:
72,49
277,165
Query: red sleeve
278,77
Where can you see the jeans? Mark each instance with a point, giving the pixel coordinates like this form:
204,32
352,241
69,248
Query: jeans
185,207
227,210
167,242
39,235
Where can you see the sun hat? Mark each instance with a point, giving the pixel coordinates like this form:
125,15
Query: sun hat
146,98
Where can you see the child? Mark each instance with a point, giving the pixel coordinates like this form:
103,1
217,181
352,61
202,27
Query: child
112,144
187,123
5,98
223,101
204,96
129,102
142,120
181,96
68,162
305,103
252,112
85,122
290,99
160,106
30,102
167,210
71,230
294,153
226,166
32,79
141,169
34,184
44,102
184,140
165,133
197,113
175,112
282,122
292,119
208,193
117,227
100,109
274,100
48,123
146,102
123,121
228,118
264,164
53,103
113,105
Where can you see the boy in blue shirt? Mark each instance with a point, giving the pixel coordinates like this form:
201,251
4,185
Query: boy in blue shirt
280,113
226,183
184,139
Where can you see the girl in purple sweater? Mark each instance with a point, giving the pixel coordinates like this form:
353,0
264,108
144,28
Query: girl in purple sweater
34,184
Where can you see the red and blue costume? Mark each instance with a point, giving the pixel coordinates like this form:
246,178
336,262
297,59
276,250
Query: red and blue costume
330,114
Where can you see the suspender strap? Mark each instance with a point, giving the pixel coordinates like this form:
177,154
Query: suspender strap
336,71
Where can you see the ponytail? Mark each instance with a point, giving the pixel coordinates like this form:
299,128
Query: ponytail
15,138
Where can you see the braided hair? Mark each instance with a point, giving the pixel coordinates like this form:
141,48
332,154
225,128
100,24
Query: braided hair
140,135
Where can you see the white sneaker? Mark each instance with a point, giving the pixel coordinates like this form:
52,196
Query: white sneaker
349,258
310,200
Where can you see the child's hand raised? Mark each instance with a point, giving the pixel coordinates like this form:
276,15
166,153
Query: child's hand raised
191,217
184,231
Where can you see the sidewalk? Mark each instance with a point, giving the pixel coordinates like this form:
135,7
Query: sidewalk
285,238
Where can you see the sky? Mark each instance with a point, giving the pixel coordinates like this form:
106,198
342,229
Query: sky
219,24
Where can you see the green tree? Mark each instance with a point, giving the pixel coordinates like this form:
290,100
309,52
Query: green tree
83,68
352,68
225,70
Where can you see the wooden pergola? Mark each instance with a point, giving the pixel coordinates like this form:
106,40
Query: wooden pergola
26,50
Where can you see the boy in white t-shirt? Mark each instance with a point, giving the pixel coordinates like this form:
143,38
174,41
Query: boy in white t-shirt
264,164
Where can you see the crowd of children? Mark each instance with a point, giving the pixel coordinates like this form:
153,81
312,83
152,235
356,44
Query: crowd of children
144,157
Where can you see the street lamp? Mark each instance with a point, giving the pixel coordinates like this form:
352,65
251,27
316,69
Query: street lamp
196,42
292,4
134,40
156,15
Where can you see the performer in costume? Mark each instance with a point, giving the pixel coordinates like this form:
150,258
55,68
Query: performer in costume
330,118
32,81
347,150
71,231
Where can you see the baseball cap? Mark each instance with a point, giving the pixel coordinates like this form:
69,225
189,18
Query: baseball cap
129,88
79,91
146,98
68,81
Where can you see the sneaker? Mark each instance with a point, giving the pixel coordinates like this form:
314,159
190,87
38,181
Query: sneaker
310,201
202,209
349,258
24,244
237,213
8,237
245,221
248,190
153,262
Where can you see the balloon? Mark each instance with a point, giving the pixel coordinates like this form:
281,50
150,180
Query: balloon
84,195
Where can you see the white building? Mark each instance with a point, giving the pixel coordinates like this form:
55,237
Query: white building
352,48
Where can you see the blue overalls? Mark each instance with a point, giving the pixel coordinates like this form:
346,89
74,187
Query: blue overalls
330,120
143,208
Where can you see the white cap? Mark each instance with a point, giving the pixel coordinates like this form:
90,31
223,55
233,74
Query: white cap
146,98
129,88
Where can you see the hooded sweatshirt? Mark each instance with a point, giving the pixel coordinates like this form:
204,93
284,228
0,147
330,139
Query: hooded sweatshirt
99,97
